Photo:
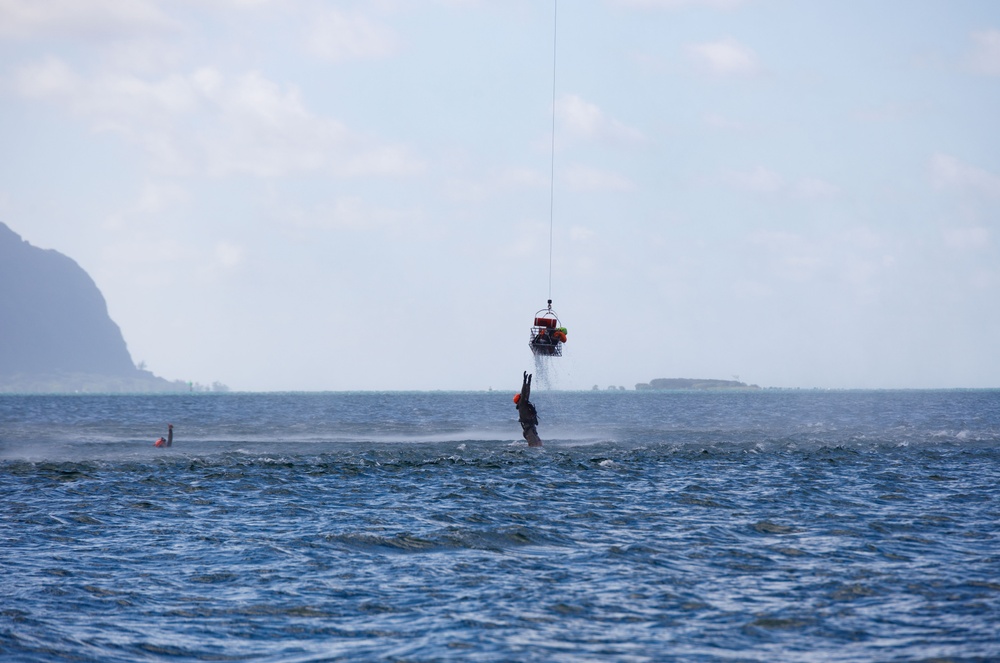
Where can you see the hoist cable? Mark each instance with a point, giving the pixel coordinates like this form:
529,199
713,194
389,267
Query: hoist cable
552,160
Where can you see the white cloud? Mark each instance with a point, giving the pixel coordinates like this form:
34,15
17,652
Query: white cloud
228,254
216,124
99,19
378,160
158,196
584,178
722,123
792,256
244,4
891,112
726,57
985,57
500,183
812,188
337,36
265,130
154,200
763,180
145,55
857,257
133,253
863,238
758,180
967,238
346,213
49,78
586,120
948,172
112,98
680,4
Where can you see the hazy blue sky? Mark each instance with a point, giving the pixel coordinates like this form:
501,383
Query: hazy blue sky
355,195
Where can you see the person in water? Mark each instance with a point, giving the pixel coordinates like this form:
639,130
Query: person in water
169,440
527,414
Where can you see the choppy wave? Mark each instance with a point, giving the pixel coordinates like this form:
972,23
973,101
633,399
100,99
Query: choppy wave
763,527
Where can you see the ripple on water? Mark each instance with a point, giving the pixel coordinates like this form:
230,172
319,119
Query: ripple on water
777,528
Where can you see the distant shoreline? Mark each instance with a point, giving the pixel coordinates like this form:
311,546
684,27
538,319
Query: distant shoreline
445,392
139,382
702,384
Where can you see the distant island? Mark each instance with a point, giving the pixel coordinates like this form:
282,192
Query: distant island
689,383
55,331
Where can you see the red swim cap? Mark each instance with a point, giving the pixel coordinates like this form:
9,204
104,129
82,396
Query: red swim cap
517,398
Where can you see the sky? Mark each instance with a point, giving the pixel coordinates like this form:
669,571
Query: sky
307,195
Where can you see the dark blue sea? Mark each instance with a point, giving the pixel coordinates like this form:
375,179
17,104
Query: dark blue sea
652,526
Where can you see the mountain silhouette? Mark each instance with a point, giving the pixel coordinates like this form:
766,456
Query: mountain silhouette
55,331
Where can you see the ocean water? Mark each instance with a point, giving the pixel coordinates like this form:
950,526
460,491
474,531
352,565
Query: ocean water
671,526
